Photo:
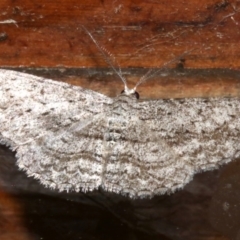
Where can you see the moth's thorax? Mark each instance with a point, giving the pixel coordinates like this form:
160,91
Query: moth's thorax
123,104
120,117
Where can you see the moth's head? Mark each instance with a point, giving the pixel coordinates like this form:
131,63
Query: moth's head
130,92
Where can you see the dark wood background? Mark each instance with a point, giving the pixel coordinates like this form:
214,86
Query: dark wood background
46,38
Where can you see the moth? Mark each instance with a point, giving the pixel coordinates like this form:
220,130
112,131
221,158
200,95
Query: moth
75,139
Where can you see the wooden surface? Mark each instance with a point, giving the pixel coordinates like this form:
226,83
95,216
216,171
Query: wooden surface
46,38
138,34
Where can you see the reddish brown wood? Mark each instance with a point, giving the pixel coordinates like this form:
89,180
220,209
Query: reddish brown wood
11,218
137,33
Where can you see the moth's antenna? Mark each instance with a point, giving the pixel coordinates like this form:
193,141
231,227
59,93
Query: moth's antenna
151,73
108,58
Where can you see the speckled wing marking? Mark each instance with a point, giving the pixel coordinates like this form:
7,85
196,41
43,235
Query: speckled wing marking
35,113
78,140
165,142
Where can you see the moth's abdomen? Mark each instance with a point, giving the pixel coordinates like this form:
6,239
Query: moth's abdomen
115,128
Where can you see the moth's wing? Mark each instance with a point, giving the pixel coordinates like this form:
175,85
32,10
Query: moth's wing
35,112
172,140
204,132
69,159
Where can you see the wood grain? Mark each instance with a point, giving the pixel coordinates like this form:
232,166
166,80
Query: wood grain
139,34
